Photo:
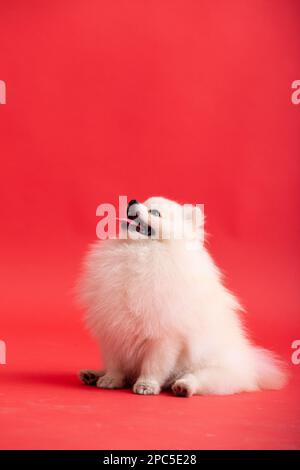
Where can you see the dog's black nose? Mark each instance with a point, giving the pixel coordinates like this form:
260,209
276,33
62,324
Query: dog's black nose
132,214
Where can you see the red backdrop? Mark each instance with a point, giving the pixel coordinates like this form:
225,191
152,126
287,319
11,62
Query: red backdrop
184,99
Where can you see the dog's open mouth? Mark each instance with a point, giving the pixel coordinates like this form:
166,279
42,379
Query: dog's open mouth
134,222
139,226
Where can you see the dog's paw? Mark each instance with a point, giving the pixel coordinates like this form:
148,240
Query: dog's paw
182,388
146,387
110,381
89,377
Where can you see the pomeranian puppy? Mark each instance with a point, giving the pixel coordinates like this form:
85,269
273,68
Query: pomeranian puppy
156,303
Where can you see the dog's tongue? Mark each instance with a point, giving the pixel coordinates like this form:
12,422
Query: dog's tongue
127,222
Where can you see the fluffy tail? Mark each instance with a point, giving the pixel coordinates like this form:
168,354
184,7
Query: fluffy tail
271,372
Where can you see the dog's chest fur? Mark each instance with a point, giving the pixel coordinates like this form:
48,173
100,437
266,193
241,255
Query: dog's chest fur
139,289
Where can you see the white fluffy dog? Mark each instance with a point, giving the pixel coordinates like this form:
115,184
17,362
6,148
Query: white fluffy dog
157,305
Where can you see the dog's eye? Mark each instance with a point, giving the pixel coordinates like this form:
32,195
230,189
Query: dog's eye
154,212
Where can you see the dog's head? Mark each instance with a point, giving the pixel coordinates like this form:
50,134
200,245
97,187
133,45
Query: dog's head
161,219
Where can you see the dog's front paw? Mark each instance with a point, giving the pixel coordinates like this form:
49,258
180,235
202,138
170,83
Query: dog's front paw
146,387
182,388
110,381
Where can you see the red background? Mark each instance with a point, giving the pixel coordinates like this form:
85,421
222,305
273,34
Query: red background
184,99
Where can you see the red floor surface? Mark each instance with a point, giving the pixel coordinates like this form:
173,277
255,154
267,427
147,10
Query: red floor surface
43,404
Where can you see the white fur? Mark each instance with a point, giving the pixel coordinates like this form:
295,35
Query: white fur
163,317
